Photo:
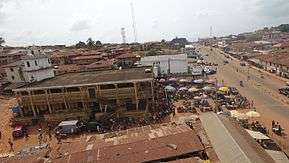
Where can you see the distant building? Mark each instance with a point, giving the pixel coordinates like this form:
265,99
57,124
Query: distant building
168,64
35,66
179,42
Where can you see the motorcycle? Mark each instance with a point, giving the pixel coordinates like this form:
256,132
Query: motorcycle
241,84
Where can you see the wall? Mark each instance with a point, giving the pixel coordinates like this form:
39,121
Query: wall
39,75
41,63
178,63
15,73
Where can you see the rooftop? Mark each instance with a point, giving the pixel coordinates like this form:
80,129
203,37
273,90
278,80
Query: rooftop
92,78
147,143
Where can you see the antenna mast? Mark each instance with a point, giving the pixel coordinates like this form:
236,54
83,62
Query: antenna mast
133,22
123,35
211,31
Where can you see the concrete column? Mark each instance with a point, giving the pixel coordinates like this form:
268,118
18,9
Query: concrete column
153,95
136,94
64,98
82,98
117,96
47,101
32,105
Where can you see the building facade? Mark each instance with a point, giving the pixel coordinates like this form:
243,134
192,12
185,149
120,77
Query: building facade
85,94
35,66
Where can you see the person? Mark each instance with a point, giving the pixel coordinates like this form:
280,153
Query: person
279,130
11,145
273,124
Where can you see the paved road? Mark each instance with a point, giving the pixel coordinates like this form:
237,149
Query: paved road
263,92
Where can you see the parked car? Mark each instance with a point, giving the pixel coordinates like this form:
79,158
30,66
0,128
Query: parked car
69,128
18,132
284,91
93,126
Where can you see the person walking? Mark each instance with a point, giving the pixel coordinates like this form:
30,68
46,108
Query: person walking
11,145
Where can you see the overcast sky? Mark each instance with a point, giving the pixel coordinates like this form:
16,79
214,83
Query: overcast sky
27,22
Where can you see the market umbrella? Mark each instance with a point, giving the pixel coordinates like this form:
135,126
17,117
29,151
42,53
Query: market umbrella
234,113
170,88
183,80
199,81
211,81
253,114
197,98
242,116
193,89
162,80
183,89
172,79
207,88
204,96
224,89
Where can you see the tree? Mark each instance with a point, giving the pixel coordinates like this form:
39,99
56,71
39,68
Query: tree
98,43
2,41
80,44
89,42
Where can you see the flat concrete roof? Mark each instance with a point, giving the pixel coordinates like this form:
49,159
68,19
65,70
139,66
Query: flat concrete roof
231,142
92,78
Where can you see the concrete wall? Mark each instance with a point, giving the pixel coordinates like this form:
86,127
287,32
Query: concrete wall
41,63
176,63
39,75
16,73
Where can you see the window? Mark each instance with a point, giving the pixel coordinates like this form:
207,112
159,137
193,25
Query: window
38,92
35,63
125,85
12,77
72,89
55,91
24,93
108,86
91,92
11,69
28,64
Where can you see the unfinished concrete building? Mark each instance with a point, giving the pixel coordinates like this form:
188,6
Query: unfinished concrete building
81,95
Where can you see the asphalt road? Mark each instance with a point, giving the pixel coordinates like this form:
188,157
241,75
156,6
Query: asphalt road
263,91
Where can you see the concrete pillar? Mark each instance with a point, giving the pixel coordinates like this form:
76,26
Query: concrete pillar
47,101
32,105
136,94
64,98
153,95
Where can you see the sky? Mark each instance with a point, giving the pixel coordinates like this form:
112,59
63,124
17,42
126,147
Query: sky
43,22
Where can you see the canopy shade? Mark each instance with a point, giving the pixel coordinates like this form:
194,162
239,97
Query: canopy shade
253,114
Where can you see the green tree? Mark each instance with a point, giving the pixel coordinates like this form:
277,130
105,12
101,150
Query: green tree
98,43
80,44
90,43
2,41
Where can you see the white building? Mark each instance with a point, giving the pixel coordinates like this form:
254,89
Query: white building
167,64
35,66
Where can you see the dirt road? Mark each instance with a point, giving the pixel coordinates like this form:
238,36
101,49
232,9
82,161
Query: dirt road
262,91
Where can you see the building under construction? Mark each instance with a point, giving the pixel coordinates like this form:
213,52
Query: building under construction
127,92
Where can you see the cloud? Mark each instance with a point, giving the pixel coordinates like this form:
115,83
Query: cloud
2,14
80,25
273,8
